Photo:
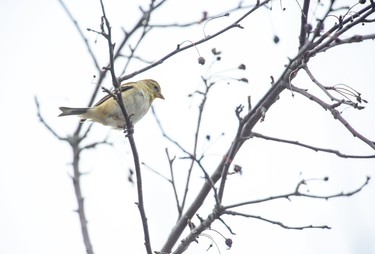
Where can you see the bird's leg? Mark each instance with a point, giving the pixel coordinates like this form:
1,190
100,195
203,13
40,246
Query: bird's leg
131,130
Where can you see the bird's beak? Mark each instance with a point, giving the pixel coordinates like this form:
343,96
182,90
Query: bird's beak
159,95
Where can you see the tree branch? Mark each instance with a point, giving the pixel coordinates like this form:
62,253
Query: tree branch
303,28
41,119
336,114
218,211
130,131
80,199
173,182
314,148
346,24
298,193
83,37
349,102
194,44
273,221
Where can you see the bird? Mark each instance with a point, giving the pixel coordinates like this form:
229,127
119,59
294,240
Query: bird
137,97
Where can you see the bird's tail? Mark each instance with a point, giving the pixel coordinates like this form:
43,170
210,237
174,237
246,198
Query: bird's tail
72,111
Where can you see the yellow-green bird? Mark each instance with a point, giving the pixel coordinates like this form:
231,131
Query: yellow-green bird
137,97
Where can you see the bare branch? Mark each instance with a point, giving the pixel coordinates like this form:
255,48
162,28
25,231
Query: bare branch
207,38
314,148
274,222
196,135
134,49
95,144
83,37
303,29
74,142
336,114
244,130
226,225
195,232
351,39
205,17
218,211
165,135
80,199
325,89
173,182
298,193
129,129
41,119
345,25
193,155
341,194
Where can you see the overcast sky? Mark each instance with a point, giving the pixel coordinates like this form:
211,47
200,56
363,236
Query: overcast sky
42,55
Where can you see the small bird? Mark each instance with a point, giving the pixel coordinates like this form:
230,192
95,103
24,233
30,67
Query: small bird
137,97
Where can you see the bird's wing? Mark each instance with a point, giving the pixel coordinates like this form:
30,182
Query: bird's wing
108,96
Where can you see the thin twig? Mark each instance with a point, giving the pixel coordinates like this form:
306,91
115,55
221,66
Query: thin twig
336,114
81,34
325,90
274,222
314,148
328,37
130,136
351,39
173,182
207,38
195,145
165,135
41,119
134,49
218,211
303,29
204,18
80,199
298,193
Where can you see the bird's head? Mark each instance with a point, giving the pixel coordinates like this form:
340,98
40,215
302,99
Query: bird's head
154,88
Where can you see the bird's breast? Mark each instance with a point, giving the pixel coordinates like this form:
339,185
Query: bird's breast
137,105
